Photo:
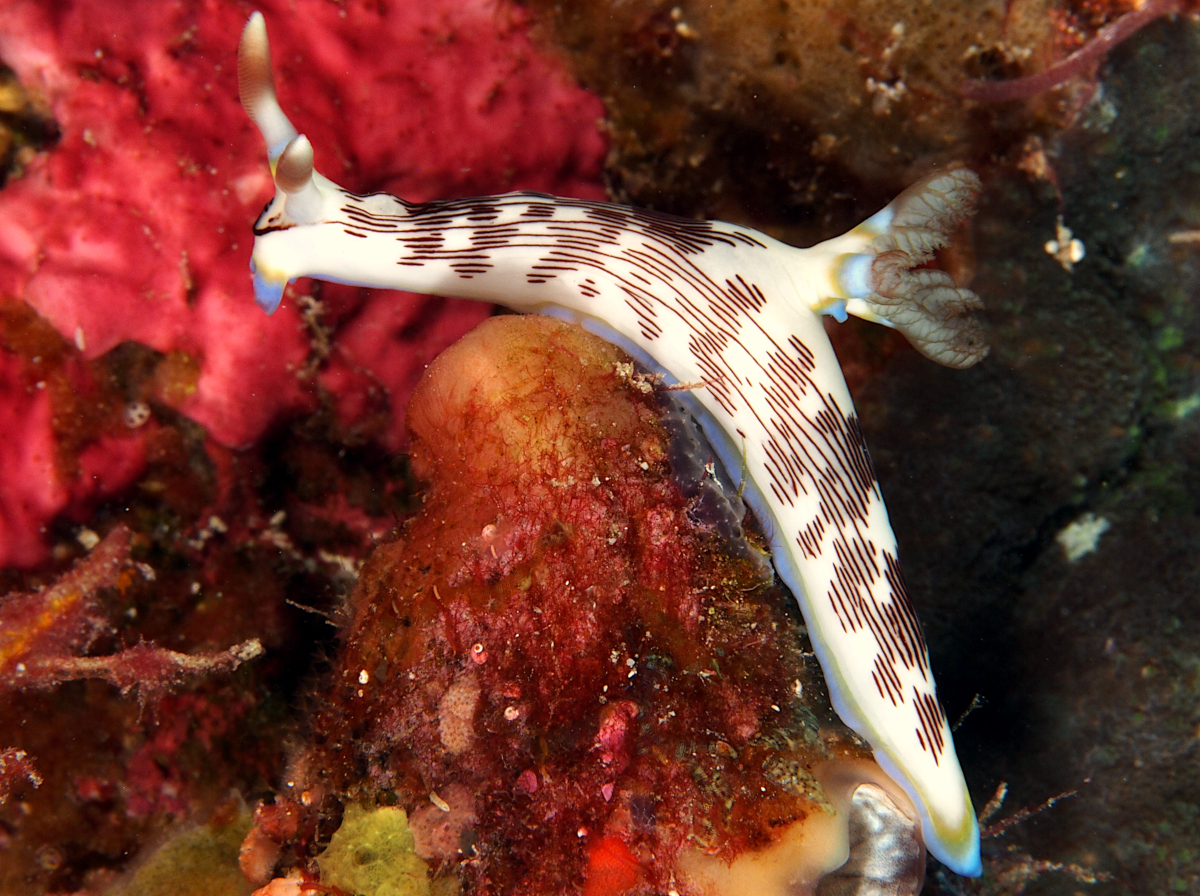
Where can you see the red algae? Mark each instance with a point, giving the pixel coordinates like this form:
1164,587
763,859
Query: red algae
553,650
15,767
1078,62
68,445
48,626
189,582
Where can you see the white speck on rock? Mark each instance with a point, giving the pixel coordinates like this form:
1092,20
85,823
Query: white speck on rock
1080,537
1064,248
136,414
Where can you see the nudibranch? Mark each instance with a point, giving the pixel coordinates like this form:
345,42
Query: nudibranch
712,303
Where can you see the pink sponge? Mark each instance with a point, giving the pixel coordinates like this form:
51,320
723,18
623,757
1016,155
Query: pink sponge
136,226
31,493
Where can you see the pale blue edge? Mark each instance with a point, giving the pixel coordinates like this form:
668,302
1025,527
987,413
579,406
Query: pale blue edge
267,293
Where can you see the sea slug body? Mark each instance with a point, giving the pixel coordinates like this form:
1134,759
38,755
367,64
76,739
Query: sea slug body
720,304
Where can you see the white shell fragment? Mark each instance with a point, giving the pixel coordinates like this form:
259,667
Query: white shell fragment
1081,537
713,303
136,414
886,855
1065,248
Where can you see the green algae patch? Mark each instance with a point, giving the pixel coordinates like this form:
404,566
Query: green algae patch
201,861
372,854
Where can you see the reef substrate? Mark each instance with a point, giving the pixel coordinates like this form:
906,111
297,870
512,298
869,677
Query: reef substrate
562,669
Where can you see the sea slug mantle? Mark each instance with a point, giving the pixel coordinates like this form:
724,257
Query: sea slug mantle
712,303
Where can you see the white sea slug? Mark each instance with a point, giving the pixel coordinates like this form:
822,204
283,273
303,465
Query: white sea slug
701,301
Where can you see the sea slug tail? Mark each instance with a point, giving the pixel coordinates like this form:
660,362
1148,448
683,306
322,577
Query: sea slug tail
884,281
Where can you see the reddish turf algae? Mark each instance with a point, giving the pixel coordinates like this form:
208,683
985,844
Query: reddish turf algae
553,642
